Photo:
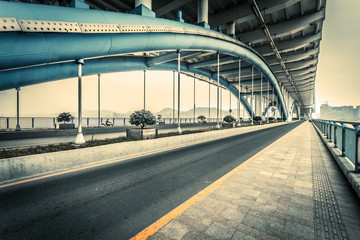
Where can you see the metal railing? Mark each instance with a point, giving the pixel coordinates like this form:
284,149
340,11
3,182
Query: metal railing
344,135
9,123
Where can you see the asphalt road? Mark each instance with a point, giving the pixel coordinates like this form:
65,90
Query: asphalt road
119,200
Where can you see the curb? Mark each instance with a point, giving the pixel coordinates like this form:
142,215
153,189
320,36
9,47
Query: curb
344,163
22,168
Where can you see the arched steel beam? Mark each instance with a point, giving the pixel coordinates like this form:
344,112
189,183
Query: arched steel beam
53,72
32,48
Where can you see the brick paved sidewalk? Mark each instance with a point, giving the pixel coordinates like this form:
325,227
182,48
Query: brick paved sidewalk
291,190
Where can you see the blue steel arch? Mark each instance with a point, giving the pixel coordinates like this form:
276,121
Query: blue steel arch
25,50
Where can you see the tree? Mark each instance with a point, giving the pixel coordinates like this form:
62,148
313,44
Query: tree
65,117
142,118
201,117
229,119
257,118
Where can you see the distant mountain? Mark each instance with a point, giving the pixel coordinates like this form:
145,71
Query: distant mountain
165,113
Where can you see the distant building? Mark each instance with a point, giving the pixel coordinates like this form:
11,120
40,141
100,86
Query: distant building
346,113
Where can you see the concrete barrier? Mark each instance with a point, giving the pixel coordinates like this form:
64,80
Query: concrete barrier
346,166
19,168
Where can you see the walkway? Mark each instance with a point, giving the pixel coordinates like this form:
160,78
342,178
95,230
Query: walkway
292,189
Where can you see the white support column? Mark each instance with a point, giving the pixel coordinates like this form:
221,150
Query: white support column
209,99
179,128
194,100
257,105
221,104
203,9
230,110
239,90
218,83
173,96
17,128
261,98
144,89
99,113
252,96
268,103
79,138
230,29
146,3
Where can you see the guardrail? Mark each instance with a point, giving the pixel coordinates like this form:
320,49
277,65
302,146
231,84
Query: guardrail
9,123
344,135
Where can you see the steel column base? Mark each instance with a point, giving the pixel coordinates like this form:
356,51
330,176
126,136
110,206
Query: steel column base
79,138
238,124
218,126
17,128
178,130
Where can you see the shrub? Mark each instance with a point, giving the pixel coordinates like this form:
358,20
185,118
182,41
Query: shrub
142,118
229,119
257,118
65,117
201,117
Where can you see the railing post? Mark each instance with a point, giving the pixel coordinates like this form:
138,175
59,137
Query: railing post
7,123
335,134
343,139
32,123
357,147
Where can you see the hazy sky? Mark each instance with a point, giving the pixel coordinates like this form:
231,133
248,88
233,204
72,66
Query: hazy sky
336,81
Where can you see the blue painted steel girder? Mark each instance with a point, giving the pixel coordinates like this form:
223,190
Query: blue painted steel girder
53,72
25,49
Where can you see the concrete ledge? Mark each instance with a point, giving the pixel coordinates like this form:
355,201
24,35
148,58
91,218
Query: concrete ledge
19,168
346,166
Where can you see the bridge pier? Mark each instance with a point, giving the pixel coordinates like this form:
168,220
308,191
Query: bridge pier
146,3
203,12
18,128
80,137
178,130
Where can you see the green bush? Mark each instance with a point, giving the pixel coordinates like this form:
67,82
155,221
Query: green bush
65,117
257,118
229,119
201,117
142,118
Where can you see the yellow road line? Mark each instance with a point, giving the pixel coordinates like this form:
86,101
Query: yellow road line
156,226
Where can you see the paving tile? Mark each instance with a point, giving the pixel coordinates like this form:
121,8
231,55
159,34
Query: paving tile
242,236
175,230
256,222
275,197
299,230
196,235
220,231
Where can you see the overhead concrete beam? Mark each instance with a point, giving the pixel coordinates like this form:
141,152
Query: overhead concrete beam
242,13
287,58
212,62
284,28
176,4
290,45
296,65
